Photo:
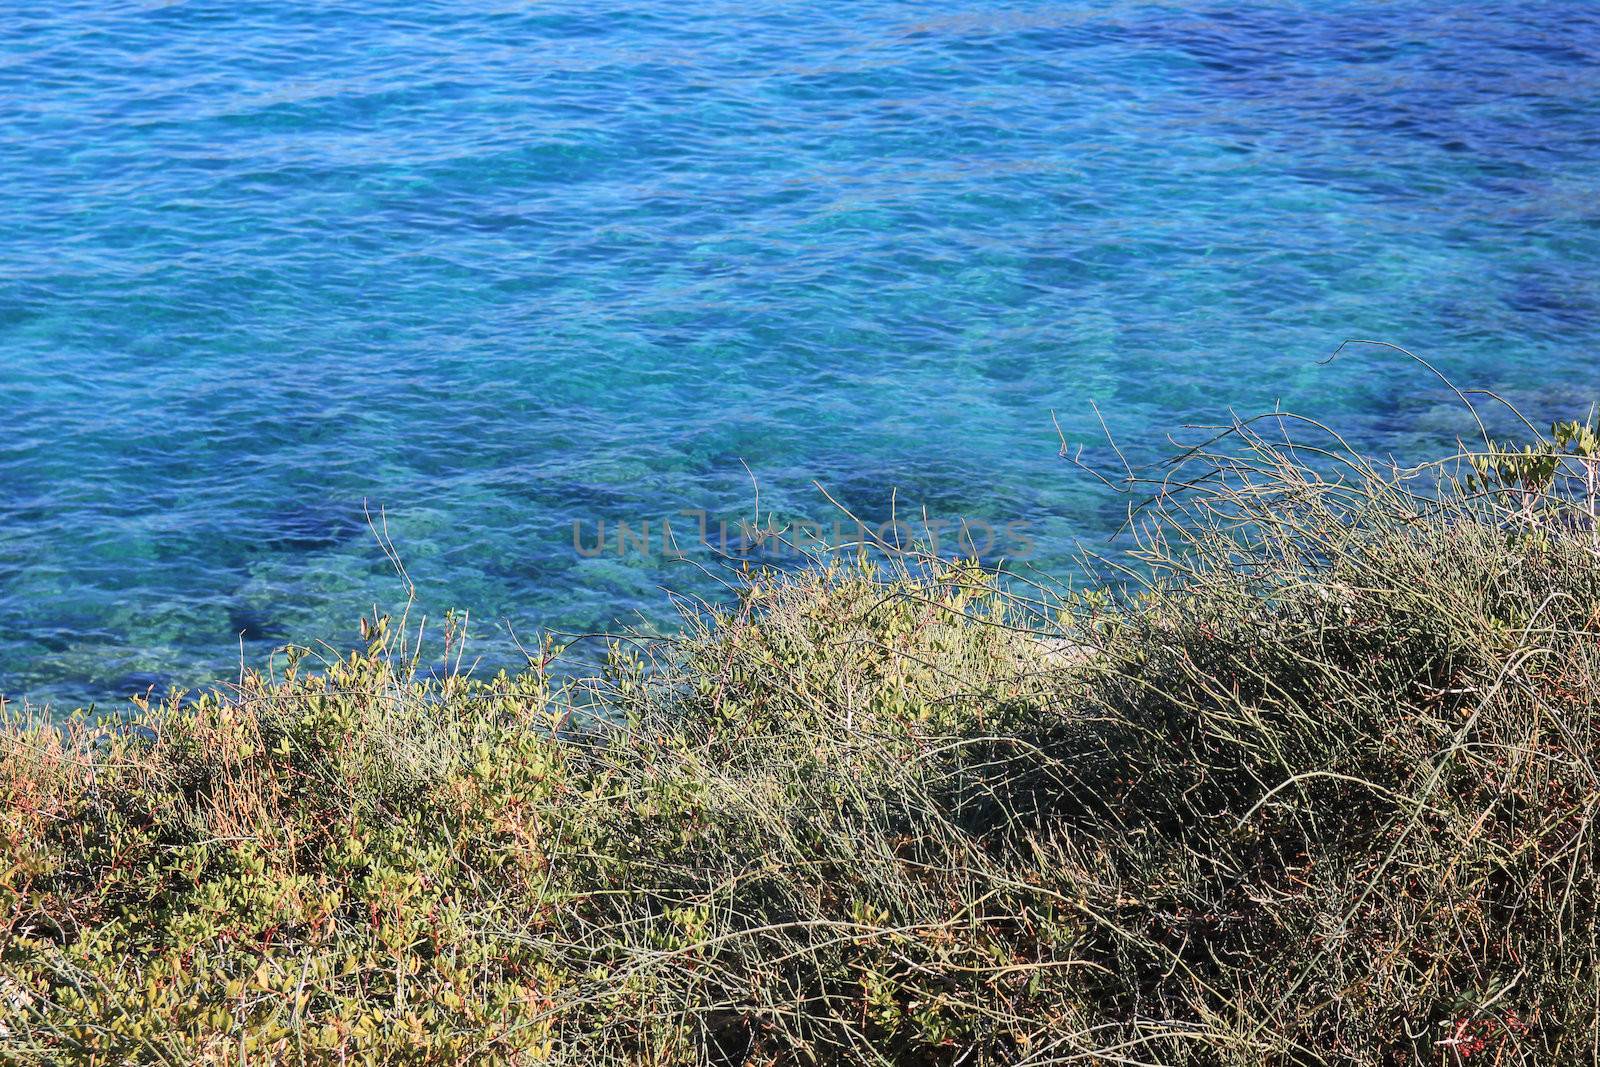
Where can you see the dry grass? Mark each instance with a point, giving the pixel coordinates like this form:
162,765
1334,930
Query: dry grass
1316,784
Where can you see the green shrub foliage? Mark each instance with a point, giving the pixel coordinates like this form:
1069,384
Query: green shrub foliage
1315,782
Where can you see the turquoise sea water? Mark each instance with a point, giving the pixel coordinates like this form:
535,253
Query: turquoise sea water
500,267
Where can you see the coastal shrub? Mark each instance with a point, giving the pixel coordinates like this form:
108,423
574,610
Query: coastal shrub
1312,781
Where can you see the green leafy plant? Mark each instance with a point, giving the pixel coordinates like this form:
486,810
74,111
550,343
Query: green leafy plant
1531,471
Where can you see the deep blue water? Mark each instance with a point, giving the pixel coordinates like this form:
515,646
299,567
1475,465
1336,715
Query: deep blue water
503,266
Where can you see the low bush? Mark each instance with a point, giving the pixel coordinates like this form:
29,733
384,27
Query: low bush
1313,781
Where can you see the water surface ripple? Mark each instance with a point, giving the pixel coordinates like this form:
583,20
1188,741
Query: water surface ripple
500,267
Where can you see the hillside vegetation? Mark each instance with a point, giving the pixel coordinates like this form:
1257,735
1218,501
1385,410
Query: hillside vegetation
1311,779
